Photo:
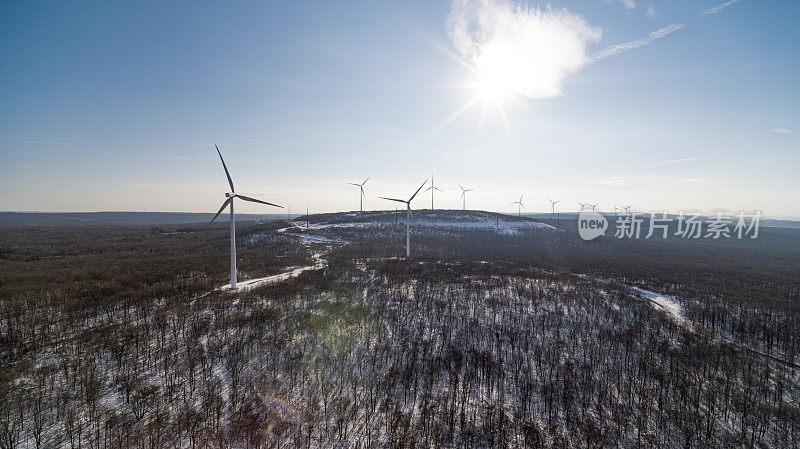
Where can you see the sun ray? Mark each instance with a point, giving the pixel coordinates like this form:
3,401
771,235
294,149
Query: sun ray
446,122
505,121
483,116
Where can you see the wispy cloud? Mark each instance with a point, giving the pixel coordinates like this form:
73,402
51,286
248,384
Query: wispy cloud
784,131
512,179
651,11
611,181
718,8
671,161
530,50
619,48
695,180
252,140
630,4
685,159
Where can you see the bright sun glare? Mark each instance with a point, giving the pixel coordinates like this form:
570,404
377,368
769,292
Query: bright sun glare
497,69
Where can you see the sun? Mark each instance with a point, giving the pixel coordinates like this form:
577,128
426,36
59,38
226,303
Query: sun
500,75
498,72
493,87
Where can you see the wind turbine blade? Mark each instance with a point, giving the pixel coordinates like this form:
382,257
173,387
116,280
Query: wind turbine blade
420,188
354,184
365,181
362,193
393,199
230,181
460,187
429,188
247,198
224,205
438,189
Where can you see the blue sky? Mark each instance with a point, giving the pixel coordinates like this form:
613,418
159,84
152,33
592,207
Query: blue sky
117,105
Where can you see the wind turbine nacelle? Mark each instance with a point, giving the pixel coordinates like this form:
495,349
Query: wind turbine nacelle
230,195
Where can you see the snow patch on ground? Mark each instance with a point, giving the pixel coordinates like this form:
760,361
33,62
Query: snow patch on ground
317,238
319,263
668,304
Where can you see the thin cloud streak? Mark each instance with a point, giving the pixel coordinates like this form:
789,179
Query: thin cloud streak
619,48
718,8
252,140
630,4
611,181
784,131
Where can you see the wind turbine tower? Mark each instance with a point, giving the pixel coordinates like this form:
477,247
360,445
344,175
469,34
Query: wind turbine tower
408,215
432,188
229,202
519,205
361,197
553,208
464,197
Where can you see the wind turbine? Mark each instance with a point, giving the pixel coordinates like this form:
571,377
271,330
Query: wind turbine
583,205
361,198
464,197
553,205
519,203
408,215
432,188
229,202
593,206
627,210
615,209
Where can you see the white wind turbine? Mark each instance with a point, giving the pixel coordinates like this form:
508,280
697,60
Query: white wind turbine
432,188
519,204
408,215
553,205
229,202
464,197
361,197
593,206
583,205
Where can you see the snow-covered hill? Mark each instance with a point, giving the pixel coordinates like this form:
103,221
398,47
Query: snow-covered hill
426,218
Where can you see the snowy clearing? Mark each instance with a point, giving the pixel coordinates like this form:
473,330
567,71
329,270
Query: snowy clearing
319,263
666,303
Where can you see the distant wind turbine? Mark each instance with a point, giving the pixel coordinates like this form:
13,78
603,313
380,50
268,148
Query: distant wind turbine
229,202
615,209
464,197
432,188
408,215
627,210
593,206
553,205
361,197
583,205
519,204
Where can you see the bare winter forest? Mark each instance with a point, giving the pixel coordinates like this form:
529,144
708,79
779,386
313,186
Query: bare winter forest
117,337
